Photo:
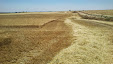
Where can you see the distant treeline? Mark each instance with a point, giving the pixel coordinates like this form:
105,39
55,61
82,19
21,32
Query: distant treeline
12,12
5,12
21,12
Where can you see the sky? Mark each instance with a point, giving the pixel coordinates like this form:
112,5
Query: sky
54,5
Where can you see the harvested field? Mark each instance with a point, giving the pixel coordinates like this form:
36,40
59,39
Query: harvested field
93,44
21,43
54,38
28,19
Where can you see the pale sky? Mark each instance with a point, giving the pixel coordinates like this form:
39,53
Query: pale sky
53,5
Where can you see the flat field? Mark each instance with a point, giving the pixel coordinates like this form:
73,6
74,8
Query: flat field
54,38
26,36
28,19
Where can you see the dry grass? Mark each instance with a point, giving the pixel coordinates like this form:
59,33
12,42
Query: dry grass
29,41
96,16
5,41
28,19
103,12
23,44
94,44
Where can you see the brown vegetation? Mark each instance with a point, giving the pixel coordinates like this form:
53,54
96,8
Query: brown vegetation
93,44
21,41
54,38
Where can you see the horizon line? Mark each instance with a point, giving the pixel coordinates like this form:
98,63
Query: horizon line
55,11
